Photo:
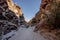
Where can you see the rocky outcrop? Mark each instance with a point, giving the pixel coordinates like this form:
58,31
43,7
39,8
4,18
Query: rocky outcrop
47,19
9,16
15,8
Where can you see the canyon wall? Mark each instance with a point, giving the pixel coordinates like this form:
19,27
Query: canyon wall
47,19
14,7
9,16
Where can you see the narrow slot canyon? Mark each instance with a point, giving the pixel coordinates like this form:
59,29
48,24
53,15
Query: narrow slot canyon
29,19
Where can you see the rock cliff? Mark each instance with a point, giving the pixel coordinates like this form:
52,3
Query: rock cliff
47,19
9,16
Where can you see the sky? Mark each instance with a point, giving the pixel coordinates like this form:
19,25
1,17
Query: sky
29,7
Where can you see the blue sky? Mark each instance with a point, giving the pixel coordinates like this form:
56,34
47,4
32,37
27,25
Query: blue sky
29,7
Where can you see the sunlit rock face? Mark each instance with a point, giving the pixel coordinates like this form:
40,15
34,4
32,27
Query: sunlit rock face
10,10
14,7
9,16
47,19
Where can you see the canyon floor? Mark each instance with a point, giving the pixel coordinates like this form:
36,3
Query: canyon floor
26,34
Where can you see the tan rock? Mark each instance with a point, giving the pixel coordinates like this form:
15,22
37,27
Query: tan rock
15,8
49,28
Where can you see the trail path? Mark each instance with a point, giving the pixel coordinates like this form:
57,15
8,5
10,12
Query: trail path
27,34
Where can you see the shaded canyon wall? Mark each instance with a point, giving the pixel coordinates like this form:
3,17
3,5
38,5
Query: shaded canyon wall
47,19
10,14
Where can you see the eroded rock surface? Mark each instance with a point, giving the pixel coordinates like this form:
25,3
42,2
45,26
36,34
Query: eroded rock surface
47,19
9,16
